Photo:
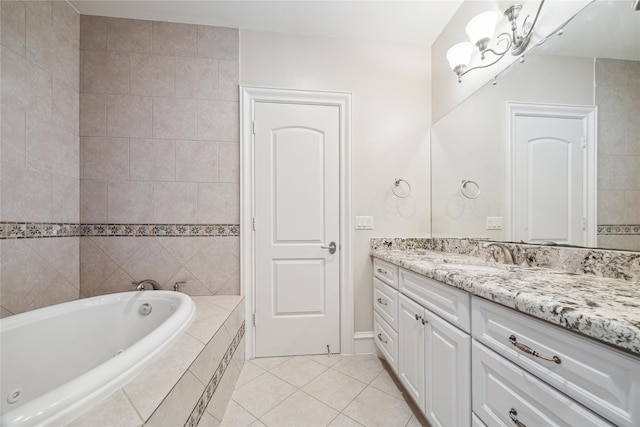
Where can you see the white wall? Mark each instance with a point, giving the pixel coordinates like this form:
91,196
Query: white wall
390,85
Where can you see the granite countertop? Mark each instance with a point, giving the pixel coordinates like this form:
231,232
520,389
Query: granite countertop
605,309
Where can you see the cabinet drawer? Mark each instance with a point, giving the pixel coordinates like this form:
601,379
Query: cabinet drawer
605,380
385,302
386,340
500,387
386,272
447,302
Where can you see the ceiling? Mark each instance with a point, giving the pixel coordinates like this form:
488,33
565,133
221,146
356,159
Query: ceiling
414,22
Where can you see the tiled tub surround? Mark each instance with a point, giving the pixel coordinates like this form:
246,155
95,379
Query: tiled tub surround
36,273
191,382
159,127
604,309
40,150
207,265
159,123
40,260
111,122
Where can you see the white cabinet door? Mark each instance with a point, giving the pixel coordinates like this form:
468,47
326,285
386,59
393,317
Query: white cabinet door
447,373
411,349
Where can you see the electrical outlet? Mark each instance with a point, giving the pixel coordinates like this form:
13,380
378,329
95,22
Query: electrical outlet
493,223
364,223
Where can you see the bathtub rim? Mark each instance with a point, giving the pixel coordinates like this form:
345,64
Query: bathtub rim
75,398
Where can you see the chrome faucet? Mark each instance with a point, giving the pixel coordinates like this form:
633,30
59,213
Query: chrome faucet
140,286
506,252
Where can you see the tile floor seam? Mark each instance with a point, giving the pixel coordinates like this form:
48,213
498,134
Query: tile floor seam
238,403
369,387
353,400
249,412
294,385
302,391
388,394
355,378
251,380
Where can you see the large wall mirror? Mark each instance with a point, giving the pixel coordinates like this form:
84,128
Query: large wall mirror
551,153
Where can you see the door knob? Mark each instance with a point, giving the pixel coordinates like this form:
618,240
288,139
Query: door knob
331,247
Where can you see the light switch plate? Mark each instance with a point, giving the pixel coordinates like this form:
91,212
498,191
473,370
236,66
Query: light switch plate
493,223
364,223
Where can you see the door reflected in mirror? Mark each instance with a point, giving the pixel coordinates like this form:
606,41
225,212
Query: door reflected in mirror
589,65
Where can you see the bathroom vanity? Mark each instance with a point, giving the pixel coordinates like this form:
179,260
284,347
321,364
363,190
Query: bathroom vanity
482,343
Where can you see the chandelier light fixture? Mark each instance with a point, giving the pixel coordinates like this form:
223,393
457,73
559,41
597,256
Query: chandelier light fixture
481,30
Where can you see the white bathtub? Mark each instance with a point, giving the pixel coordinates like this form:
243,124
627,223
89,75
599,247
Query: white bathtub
58,360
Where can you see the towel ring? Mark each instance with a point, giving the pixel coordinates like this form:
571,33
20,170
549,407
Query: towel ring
469,193
397,184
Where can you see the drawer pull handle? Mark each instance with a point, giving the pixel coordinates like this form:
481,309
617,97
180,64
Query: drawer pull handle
424,322
418,317
382,339
532,352
381,271
381,301
513,415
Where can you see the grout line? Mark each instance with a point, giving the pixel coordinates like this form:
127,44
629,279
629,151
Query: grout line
133,405
72,7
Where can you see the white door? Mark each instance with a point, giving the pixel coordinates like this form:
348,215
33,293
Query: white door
550,178
297,208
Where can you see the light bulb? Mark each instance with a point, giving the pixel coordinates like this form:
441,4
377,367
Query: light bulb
459,55
481,28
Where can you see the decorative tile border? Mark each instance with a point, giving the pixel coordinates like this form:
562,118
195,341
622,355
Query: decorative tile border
622,229
170,230
211,387
30,230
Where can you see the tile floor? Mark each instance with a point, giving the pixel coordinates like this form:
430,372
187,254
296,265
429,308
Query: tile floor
306,391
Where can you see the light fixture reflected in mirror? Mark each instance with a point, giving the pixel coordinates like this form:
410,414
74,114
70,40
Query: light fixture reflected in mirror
481,30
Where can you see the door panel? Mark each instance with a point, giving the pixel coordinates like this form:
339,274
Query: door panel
297,209
550,165
550,179
299,287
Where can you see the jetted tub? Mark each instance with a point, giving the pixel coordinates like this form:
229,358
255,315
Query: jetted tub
58,360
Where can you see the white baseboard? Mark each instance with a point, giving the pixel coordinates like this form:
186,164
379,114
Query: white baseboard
364,343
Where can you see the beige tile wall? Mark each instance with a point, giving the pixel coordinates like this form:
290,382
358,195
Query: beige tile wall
159,130
110,120
208,265
616,92
159,111
40,150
